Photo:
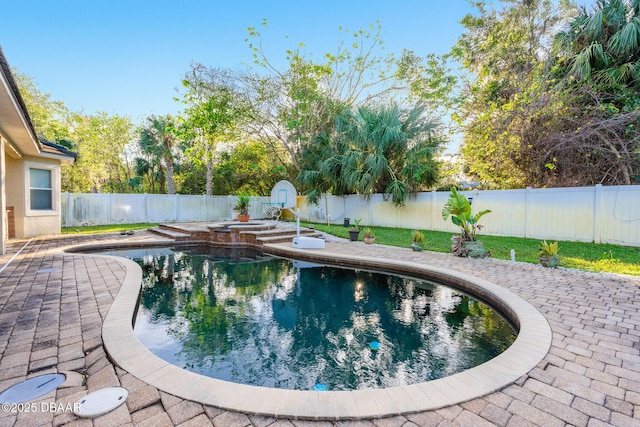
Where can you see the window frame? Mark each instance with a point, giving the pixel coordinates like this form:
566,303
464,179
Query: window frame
54,170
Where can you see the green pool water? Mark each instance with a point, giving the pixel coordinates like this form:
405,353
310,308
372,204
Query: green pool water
243,316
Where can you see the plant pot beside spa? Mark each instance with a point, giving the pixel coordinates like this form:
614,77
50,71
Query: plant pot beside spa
417,240
549,260
369,236
549,254
242,206
354,233
458,207
474,249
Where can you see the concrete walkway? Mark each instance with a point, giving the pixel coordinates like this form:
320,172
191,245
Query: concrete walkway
52,305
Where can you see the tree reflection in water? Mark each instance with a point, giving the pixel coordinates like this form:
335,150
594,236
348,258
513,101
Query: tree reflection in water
242,316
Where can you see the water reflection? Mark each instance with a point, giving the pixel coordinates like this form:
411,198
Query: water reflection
245,317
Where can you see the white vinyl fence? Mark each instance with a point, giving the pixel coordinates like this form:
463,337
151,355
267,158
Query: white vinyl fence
99,209
590,214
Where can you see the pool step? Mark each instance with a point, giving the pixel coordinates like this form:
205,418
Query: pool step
287,237
241,227
230,233
276,232
183,232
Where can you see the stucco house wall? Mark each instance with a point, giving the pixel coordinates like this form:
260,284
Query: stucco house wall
28,222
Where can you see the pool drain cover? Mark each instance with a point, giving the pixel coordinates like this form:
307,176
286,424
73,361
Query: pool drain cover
32,388
100,402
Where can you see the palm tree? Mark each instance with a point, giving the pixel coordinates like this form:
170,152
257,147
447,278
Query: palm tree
157,139
604,44
373,150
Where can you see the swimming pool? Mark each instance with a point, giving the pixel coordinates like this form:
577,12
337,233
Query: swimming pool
246,317
531,345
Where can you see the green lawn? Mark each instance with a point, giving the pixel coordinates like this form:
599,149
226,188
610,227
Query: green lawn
112,228
583,256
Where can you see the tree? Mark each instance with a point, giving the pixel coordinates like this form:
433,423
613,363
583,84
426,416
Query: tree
247,169
506,52
294,104
215,110
373,150
596,139
590,144
542,116
604,45
148,174
158,139
50,118
101,142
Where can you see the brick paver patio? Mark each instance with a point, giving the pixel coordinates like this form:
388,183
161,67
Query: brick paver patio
52,305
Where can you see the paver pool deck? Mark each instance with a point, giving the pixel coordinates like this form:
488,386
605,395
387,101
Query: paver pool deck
53,305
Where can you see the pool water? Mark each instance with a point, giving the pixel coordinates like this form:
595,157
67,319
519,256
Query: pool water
243,316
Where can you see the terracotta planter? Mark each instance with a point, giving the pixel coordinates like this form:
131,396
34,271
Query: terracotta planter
353,235
549,260
243,218
369,240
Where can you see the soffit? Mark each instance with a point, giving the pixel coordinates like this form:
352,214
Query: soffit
15,123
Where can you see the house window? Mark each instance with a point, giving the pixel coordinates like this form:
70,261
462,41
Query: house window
41,189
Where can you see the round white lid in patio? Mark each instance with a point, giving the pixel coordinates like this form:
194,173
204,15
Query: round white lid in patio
100,402
32,388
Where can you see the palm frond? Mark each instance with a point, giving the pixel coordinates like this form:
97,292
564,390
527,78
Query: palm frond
593,24
371,151
627,40
582,63
636,71
398,191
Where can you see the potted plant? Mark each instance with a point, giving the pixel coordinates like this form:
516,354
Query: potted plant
417,240
368,235
466,244
549,254
355,230
242,206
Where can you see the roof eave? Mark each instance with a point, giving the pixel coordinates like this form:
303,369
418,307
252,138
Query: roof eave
13,122
64,160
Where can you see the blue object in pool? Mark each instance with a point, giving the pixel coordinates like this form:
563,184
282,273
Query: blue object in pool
320,387
374,345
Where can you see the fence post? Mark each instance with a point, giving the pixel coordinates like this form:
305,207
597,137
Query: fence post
433,210
344,207
146,207
69,210
110,209
527,202
597,214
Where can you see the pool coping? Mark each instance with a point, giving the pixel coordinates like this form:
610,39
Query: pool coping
529,348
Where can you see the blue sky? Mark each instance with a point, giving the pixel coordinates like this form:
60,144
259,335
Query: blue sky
127,57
